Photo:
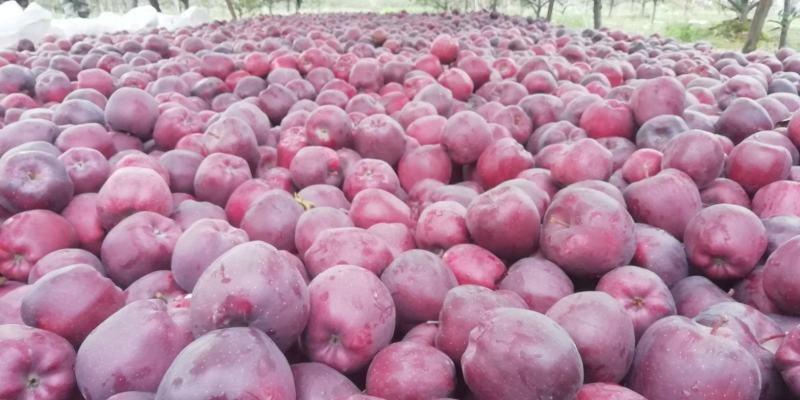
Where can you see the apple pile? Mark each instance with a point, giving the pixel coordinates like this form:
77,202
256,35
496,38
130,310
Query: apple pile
397,207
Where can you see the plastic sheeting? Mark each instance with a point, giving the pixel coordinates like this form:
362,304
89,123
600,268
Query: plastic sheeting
35,22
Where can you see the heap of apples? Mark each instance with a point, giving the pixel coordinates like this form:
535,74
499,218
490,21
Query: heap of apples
398,207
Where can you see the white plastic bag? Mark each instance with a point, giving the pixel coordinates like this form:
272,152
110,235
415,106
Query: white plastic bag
15,23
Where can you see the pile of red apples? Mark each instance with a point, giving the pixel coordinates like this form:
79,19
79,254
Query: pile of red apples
397,207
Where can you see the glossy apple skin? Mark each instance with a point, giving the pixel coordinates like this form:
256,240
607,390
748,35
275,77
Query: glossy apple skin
133,396
279,228
505,221
88,169
601,329
510,347
312,222
218,175
35,364
140,244
724,191
641,164
571,239
21,245
697,153
375,206
607,391
229,363
465,135
694,294
354,246
190,211
787,359
642,294
658,96
725,241
199,245
755,332
409,370
539,282
82,213
777,198
63,258
667,201
132,111
318,381
418,281
117,356
474,265
93,299
155,285
755,164
672,360
780,277
251,285
129,190
463,308
352,318
660,252
441,225
34,180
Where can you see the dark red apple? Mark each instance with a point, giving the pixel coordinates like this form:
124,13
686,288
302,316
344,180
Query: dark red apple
229,363
36,364
576,222
352,318
601,329
510,346
251,285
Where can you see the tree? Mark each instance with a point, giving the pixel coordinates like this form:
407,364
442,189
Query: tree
438,5
742,8
550,5
653,15
297,4
597,11
229,3
757,25
536,5
788,15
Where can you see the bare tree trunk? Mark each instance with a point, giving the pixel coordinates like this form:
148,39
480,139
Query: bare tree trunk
297,5
597,11
288,6
644,5
229,3
610,7
757,25
653,15
550,5
786,22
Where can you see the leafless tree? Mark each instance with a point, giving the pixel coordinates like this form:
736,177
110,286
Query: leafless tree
757,25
